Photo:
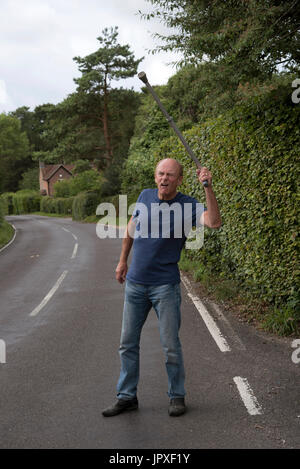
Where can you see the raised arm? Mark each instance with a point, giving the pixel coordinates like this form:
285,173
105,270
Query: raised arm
211,217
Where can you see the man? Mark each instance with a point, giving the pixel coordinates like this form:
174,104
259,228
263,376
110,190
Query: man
153,280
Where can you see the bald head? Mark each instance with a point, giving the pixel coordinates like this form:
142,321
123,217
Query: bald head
168,176
172,163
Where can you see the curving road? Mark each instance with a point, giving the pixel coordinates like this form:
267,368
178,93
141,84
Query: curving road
60,321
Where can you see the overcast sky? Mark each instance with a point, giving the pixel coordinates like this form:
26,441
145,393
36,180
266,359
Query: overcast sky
39,38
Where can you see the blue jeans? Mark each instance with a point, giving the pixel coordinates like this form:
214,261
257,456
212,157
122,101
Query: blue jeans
165,299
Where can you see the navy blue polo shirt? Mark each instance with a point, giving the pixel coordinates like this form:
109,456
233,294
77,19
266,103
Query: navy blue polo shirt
162,227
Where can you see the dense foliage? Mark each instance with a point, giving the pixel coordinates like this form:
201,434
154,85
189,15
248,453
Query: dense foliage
6,230
150,129
85,204
23,201
251,37
14,152
57,205
87,180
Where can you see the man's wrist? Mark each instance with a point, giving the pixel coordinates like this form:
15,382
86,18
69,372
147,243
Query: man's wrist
123,261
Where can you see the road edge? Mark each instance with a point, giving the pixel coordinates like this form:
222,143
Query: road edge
13,238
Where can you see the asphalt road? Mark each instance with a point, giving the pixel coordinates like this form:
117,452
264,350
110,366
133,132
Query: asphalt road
60,322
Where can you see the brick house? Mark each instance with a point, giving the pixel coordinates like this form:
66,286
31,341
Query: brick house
50,174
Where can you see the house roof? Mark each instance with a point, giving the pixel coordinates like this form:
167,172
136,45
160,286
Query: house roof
50,169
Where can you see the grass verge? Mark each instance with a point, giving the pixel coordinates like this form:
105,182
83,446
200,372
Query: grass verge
115,221
54,215
6,233
90,219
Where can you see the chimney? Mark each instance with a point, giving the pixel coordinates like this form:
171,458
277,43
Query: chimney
42,164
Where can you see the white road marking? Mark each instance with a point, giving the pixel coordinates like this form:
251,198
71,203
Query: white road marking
208,320
68,231
247,396
231,332
74,251
49,295
76,245
245,391
12,240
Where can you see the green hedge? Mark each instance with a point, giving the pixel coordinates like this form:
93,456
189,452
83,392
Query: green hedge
24,201
114,200
85,204
2,212
60,205
7,203
6,230
253,153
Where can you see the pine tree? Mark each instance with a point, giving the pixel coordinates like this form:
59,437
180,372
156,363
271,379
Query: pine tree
111,61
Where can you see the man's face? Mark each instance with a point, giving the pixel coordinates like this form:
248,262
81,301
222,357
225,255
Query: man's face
167,179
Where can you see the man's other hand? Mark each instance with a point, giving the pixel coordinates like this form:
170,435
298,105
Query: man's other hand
121,272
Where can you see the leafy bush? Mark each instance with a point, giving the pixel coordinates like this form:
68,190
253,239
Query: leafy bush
138,170
6,230
86,181
26,201
62,188
47,205
85,204
60,205
30,180
7,203
2,211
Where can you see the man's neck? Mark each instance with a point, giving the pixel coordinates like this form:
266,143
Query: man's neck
166,197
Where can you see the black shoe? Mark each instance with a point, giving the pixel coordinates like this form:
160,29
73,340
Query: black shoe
177,407
121,405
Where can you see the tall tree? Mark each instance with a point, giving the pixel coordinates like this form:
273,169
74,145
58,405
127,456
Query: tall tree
74,128
250,37
111,61
35,123
14,151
